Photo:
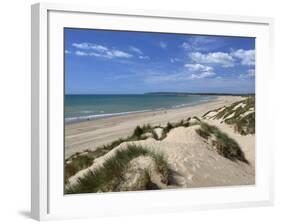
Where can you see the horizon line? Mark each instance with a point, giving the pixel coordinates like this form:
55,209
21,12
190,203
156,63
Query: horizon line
167,92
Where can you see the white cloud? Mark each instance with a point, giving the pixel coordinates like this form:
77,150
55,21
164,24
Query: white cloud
163,45
118,54
249,74
174,60
95,50
201,43
186,46
247,57
224,59
144,57
111,54
90,46
67,52
198,67
202,75
193,71
83,46
94,54
81,53
136,50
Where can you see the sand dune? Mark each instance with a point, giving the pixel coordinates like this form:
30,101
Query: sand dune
192,160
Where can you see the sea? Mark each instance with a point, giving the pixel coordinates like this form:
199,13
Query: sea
89,107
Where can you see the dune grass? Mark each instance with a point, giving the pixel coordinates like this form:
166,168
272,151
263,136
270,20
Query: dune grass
215,110
80,161
246,125
170,126
233,115
84,159
77,163
223,144
109,176
140,130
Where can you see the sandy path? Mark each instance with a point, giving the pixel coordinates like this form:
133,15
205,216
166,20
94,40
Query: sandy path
91,134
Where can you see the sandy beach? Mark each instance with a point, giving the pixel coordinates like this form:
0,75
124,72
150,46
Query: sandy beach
88,135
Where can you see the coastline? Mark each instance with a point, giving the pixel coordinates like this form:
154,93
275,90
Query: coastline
87,135
82,118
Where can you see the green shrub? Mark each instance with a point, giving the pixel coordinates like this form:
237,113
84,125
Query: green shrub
138,131
168,127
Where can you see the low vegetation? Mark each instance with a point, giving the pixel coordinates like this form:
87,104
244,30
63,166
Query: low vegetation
221,142
110,176
85,159
170,126
240,114
139,132
77,163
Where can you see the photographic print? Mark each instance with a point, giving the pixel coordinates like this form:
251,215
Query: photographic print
152,111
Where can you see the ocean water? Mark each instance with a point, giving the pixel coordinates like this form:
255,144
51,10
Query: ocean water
89,107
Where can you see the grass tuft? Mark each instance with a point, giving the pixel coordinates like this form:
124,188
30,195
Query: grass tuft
243,124
196,118
81,161
223,144
109,176
138,132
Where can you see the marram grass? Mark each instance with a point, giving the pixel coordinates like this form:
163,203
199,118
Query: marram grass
110,175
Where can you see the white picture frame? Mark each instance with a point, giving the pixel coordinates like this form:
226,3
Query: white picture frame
48,201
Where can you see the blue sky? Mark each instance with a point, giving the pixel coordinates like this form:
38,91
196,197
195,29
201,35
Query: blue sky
115,62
